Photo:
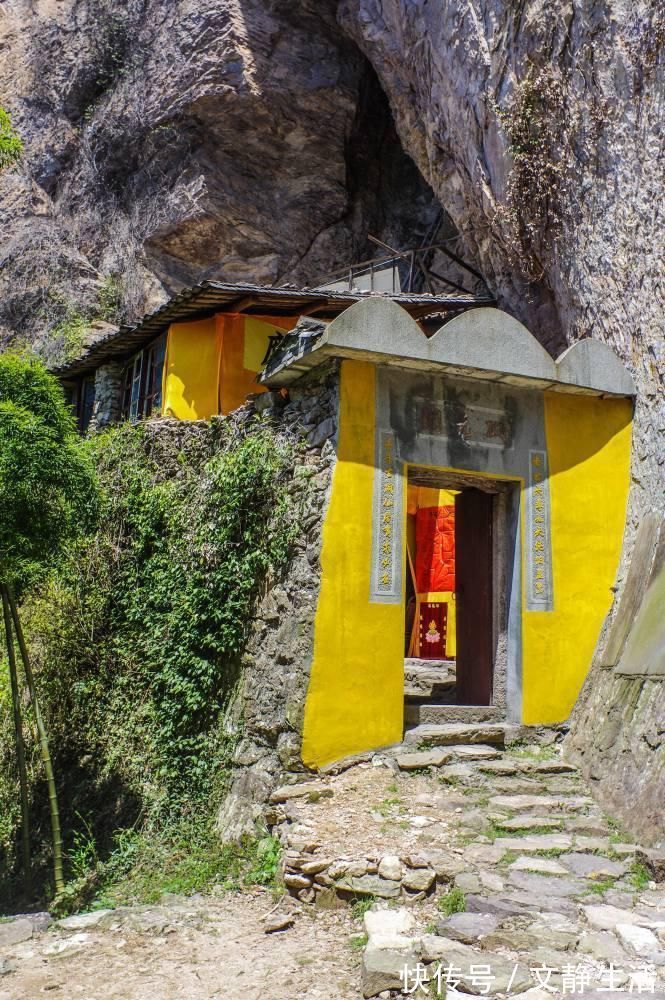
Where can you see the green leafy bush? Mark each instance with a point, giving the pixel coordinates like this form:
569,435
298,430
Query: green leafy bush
47,487
137,635
182,857
11,145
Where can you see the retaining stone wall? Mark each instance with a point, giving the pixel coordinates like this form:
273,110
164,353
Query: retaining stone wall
266,716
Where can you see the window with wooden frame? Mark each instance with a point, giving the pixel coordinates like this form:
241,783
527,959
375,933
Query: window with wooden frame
142,387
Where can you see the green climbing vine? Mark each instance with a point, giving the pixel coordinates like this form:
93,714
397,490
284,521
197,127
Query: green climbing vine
11,144
137,635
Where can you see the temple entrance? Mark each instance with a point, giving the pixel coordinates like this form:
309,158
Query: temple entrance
458,544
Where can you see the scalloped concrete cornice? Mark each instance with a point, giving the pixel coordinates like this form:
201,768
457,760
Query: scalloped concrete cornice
483,343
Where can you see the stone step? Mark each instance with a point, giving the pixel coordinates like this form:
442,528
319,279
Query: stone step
416,715
530,823
416,663
456,733
429,678
427,689
527,803
474,752
409,758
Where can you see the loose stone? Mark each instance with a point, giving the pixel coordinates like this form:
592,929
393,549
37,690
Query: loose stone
15,931
275,924
390,867
299,791
592,866
418,879
370,885
294,881
384,924
639,940
468,927
548,866
314,867
83,921
420,760
383,968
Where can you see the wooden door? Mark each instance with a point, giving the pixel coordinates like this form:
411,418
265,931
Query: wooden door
474,603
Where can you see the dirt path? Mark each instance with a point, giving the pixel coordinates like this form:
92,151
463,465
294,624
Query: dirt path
197,948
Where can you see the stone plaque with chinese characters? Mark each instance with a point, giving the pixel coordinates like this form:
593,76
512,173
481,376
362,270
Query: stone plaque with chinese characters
386,581
537,537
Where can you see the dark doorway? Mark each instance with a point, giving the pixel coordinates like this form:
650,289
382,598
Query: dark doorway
474,597
461,533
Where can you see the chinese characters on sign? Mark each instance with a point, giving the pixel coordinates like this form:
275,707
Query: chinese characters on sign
387,528
572,979
473,424
537,536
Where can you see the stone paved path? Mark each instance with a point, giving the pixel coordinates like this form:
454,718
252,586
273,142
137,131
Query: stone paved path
555,900
551,898
553,893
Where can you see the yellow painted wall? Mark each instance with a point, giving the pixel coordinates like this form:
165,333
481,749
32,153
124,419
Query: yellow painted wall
244,344
212,364
588,444
355,698
191,370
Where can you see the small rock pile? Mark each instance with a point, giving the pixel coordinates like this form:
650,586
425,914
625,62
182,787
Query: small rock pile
316,879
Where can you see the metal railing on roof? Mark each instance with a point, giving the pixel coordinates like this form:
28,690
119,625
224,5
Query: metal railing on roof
404,271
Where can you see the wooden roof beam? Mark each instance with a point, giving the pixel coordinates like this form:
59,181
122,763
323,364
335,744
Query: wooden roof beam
238,305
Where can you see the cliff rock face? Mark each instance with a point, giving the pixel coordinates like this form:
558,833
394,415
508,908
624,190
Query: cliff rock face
169,142
258,139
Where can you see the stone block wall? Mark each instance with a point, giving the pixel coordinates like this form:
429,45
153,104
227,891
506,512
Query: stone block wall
107,408
266,716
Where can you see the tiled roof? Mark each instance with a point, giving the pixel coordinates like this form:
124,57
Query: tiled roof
211,297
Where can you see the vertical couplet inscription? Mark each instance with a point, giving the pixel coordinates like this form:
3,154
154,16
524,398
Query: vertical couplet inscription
539,551
386,582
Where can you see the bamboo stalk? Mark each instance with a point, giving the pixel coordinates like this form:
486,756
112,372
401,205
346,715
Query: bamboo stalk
20,746
54,811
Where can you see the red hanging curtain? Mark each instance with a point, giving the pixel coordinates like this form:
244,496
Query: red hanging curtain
435,549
